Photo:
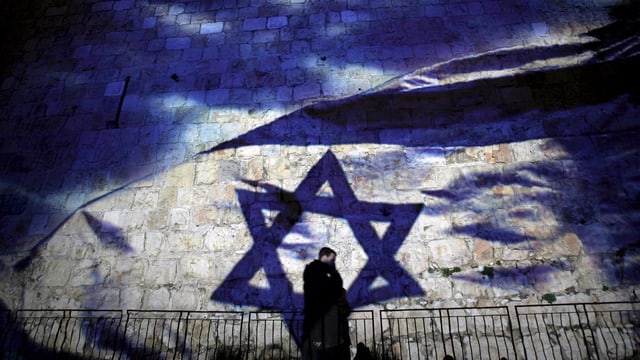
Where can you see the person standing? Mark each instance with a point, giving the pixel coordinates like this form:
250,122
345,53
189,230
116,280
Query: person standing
326,330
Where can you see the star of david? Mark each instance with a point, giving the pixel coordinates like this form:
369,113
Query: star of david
360,216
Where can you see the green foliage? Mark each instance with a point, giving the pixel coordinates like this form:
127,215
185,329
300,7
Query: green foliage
550,298
488,271
446,272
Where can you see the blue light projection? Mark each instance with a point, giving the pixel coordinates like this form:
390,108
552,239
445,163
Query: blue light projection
343,204
450,115
427,117
110,235
431,116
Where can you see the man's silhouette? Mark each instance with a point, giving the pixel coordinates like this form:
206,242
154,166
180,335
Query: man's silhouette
326,331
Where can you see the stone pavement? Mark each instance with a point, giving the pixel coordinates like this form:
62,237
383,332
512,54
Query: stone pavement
108,103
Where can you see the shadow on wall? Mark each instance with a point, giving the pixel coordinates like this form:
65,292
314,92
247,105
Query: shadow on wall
89,164
590,111
477,113
72,150
116,169
592,191
493,111
380,251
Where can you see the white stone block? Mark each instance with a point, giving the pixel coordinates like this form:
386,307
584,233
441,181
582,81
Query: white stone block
179,218
157,299
211,28
449,252
195,267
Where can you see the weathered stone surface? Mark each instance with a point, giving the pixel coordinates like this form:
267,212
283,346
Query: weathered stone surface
449,252
548,279
517,163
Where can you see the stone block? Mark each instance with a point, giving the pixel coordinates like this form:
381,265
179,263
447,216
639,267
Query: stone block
183,240
217,96
136,242
436,288
57,273
248,11
154,242
348,16
508,285
181,175
566,245
194,196
179,218
306,91
540,29
483,252
254,24
277,22
38,224
317,19
224,239
149,22
265,36
176,9
178,43
185,298
184,20
470,285
167,197
145,199
157,299
86,273
211,28
548,279
587,278
155,44
110,221
449,252
195,267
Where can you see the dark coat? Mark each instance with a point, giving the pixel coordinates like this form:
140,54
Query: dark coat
325,306
322,287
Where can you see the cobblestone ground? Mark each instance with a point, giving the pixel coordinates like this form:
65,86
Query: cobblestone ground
104,200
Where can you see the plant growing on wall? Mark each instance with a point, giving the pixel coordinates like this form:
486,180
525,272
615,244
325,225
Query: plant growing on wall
550,298
446,272
488,271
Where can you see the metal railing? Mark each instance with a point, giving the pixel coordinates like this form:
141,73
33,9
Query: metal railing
182,334
467,333
580,331
272,335
566,331
39,334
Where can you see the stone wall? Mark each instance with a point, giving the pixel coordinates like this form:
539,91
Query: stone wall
196,155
